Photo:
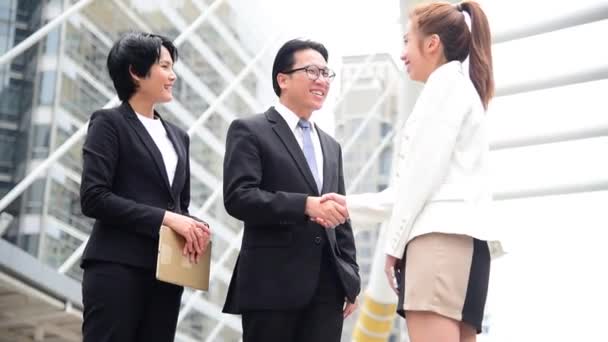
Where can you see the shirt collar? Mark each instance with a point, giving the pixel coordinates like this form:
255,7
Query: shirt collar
449,67
143,118
290,117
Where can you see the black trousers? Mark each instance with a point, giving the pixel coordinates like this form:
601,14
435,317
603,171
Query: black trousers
123,303
320,321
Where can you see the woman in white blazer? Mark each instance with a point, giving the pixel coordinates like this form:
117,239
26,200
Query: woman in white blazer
437,255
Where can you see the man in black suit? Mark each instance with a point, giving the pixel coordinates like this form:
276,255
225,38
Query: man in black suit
294,280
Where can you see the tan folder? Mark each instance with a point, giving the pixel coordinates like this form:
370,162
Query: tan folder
173,267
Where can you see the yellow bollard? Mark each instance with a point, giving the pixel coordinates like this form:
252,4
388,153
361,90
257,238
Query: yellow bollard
375,321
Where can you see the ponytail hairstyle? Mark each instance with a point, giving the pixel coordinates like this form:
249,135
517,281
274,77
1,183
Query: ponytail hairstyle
448,22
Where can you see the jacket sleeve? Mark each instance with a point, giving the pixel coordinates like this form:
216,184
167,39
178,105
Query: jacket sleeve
184,197
372,207
344,232
100,155
442,107
244,199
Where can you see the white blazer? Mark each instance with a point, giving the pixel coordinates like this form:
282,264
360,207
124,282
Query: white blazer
441,182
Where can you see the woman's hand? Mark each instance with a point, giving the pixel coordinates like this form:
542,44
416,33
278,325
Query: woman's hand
339,202
389,270
197,234
349,308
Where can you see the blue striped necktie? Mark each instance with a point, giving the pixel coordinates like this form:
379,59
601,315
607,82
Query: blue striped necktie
309,150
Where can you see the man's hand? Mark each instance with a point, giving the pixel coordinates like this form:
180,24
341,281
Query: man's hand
349,308
331,197
340,199
197,234
389,270
329,214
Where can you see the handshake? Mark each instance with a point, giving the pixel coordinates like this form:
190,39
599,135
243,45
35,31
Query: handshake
328,210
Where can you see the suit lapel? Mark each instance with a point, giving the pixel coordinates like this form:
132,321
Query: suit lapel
181,155
328,169
146,139
285,133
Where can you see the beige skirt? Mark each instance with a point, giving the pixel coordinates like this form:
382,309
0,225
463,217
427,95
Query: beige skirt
446,274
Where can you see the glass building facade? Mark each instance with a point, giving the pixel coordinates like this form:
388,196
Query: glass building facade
18,80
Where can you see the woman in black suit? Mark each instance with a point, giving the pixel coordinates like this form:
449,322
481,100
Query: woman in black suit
135,178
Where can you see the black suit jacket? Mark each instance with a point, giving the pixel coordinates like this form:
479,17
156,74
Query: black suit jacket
126,189
266,183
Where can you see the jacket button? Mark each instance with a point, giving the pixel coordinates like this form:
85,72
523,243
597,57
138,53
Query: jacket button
318,240
171,206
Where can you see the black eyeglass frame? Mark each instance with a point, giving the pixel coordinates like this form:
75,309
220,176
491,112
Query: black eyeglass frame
314,72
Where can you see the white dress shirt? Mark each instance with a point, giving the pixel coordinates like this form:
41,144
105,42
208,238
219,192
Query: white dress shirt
292,121
441,182
159,134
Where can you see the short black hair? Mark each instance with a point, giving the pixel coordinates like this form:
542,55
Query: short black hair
137,51
284,59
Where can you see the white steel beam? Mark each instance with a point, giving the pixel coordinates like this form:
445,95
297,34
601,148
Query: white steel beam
554,190
203,90
558,80
79,20
72,66
596,12
550,138
205,116
43,31
216,193
187,32
73,258
223,31
5,221
67,229
210,57
31,291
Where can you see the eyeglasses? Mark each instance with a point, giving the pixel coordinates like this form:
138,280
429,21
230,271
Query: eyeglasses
314,72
